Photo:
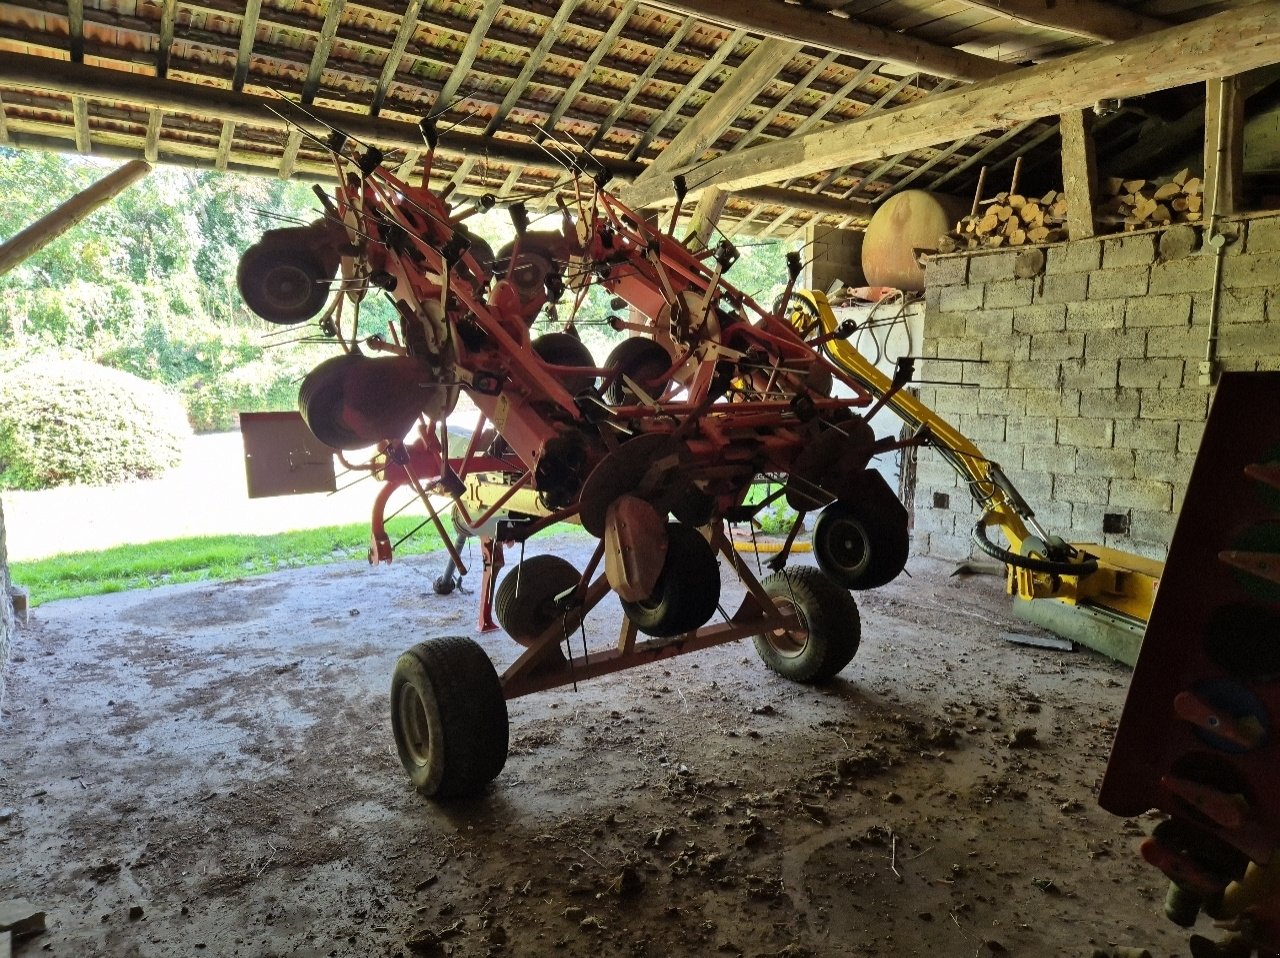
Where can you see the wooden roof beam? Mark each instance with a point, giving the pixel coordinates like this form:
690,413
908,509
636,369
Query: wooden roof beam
1090,19
784,101
584,72
248,33
829,31
404,33
535,59
1224,44
323,47
75,29
168,19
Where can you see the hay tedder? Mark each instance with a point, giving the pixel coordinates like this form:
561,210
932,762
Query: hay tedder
653,453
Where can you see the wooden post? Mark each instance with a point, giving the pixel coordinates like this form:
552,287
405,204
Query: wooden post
49,227
705,217
1079,173
1223,147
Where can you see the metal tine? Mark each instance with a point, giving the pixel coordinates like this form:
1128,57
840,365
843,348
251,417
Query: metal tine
307,113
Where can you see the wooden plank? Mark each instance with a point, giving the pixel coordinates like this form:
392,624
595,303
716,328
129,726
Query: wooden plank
224,145
248,33
1223,147
151,146
323,47
467,57
80,108
837,98
723,106
537,56
1104,22
829,32
404,33
168,17
784,102
1079,172
1236,40
690,88
75,29
588,67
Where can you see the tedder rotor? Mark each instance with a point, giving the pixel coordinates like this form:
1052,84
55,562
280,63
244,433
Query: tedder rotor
653,452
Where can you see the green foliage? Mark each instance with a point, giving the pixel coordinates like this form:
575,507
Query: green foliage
64,422
207,558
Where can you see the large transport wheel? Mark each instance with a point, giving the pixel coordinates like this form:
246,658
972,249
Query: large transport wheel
284,282
448,717
863,542
525,601
643,361
564,349
688,589
830,630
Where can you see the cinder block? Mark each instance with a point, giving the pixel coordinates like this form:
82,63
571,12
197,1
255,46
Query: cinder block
1188,275
945,326
1062,288
939,372
1007,346
1086,519
1190,432
1253,340
1141,494
1081,489
1116,344
953,548
1150,434
1088,374
1251,269
936,521
1153,527
959,299
954,347
946,270
1031,430
1237,306
1035,487
1108,314
929,349
1001,401
1122,283
1013,292
1050,402
1191,403
1109,404
1048,460
1045,318
932,298
1174,468
1082,256
989,374
1057,345
989,323
920,541
1034,375
1158,311
1006,454
992,267
1263,236
1112,463
1152,373
1149,550
1097,433
1055,514
951,400
1137,250
1181,342
982,429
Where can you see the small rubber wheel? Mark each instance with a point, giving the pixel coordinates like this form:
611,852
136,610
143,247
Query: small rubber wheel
448,717
524,602
562,349
830,628
444,584
863,542
688,590
642,360
283,284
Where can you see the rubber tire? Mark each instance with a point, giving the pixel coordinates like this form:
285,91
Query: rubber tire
526,614
562,349
863,543
448,717
688,590
640,358
830,616
284,284
320,403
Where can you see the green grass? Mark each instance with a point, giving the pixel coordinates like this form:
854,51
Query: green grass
206,559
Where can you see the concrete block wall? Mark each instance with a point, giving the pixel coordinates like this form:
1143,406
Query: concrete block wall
6,611
833,255
1083,381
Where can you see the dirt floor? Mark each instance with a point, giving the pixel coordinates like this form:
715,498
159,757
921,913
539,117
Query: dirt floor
218,759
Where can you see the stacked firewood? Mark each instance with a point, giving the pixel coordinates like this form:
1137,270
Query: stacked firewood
1141,204
1010,219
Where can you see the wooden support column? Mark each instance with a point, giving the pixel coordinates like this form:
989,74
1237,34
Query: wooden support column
48,228
80,109
151,147
1223,147
224,145
289,158
1079,173
705,217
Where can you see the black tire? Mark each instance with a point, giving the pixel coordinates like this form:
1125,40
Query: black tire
282,283
449,717
863,542
524,602
688,591
644,361
832,629
562,349
444,585
320,401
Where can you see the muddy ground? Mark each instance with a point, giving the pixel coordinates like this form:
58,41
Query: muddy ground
220,757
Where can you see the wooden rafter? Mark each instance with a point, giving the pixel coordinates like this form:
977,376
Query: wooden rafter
585,71
785,101
941,156
655,64
168,20
537,56
679,100
75,29
224,145
404,33
408,163
1239,39
982,154
723,106
323,47
289,158
853,83
248,32
830,32
80,109
151,146
1090,19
